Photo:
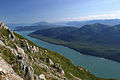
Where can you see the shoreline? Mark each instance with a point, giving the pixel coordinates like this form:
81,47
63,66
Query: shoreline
84,53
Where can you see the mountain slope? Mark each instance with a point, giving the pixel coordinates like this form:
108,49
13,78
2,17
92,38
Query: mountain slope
110,22
27,61
95,39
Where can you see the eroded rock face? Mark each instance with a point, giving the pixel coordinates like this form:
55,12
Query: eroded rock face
6,71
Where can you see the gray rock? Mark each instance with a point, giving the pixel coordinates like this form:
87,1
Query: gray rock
3,25
5,41
6,71
11,34
20,57
36,77
1,43
48,60
59,69
41,77
29,73
13,50
34,49
57,65
27,45
21,51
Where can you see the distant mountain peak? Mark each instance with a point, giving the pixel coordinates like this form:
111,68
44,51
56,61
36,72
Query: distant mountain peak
41,23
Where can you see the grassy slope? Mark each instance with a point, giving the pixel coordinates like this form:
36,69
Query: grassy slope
66,64
86,48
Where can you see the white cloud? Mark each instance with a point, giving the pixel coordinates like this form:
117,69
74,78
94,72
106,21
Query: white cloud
109,15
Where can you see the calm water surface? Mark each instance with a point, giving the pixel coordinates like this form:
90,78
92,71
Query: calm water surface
98,66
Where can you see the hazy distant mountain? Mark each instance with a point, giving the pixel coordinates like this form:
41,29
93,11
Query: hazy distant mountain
95,39
111,22
35,28
13,26
45,25
38,26
41,23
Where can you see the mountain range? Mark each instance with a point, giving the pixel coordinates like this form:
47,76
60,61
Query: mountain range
110,22
45,25
94,39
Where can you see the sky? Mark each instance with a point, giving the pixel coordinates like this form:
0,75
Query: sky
30,11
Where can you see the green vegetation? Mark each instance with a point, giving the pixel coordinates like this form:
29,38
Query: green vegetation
95,39
37,58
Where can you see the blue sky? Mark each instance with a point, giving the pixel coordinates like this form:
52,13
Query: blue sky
30,11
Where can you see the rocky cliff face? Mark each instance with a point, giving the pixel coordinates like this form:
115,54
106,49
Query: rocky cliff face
20,59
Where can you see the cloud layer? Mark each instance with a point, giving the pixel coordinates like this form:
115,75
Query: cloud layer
109,15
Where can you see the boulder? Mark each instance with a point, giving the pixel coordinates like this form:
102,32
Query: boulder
11,34
48,60
21,51
21,65
57,65
59,69
20,57
34,49
45,51
27,45
41,77
29,73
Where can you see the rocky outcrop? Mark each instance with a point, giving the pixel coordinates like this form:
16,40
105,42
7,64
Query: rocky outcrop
48,60
26,45
1,43
34,49
13,50
41,77
3,25
6,71
59,68
11,35
28,71
30,48
21,51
